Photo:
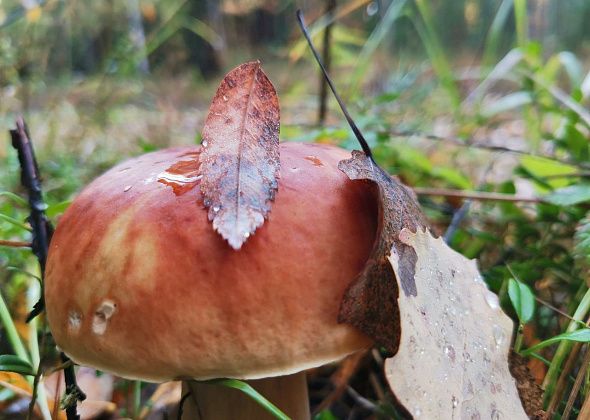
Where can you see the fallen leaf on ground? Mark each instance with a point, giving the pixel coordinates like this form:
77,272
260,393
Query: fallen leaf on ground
370,303
164,397
239,162
98,390
16,383
453,355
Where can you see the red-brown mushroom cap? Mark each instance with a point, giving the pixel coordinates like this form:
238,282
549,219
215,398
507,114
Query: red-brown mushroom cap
139,284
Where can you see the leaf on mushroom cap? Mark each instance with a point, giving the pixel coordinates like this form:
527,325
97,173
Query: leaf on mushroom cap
370,303
239,163
454,333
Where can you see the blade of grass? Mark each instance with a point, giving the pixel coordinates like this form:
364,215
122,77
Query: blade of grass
442,68
39,394
564,98
12,363
495,33
15,222
252,393
564,347
510,60
11,332
17,199
394,11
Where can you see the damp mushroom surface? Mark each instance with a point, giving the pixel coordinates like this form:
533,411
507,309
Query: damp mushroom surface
139,284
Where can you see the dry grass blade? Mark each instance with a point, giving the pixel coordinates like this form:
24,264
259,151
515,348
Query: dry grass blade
577,385
561,385
239,163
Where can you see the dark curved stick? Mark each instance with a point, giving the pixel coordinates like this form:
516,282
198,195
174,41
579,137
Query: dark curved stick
42,232
355,129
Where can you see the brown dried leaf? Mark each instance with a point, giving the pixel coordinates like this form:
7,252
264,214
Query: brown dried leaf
370,303
239,163
453,356
98,390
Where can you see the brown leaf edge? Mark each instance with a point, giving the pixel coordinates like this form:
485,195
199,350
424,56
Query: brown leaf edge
370,302
240,170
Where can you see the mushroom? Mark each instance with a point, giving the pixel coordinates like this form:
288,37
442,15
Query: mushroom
139,284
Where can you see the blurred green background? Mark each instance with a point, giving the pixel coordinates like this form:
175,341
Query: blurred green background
480,105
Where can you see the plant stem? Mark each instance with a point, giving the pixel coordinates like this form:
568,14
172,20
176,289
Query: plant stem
564,348
476,195
518,339
15,244
577,385
38,396
136,398
326,57
522,22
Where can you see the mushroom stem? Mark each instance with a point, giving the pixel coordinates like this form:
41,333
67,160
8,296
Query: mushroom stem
288,393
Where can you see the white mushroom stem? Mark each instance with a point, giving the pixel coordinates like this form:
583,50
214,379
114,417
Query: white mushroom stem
288,393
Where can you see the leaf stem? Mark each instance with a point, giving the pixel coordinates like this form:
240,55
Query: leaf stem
518,339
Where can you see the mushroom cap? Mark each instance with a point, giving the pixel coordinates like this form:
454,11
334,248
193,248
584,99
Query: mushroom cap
138,283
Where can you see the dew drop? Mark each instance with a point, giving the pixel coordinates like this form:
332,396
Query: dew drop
225,98
246,234
216,209
492,300
499,335
204,143
372,8
127,188
455,401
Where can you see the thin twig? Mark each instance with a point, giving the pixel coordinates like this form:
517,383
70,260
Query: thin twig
359,136
362,401
15,244
461,214
480,145
559,311
476,195
577,385
42,231
31,180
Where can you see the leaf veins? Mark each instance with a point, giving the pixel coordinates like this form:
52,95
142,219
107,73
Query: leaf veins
239,162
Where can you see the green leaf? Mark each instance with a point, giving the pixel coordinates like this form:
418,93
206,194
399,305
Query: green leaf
542,167
522,299
252,393
569,196
582,239
16,198
581,336
58,208
12,363
453,177
325,415
15,222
